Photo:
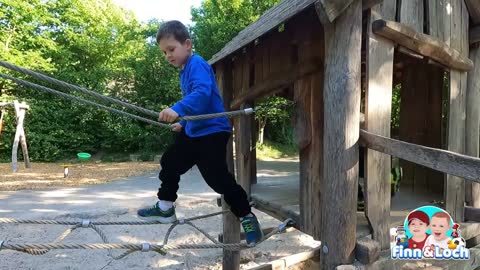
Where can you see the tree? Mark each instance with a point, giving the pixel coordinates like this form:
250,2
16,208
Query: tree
216,22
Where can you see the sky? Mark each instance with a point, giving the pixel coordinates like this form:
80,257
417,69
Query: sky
160,9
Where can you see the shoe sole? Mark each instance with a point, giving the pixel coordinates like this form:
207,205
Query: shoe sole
163,220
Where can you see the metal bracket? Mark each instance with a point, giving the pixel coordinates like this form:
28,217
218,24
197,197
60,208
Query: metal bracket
85,223
145,247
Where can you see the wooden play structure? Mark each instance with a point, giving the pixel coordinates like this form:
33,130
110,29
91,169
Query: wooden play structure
20,110
339,60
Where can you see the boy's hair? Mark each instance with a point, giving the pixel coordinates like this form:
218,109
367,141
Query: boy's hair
173,29
441,214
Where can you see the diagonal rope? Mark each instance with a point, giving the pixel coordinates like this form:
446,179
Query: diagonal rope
77,88
110,99
68,96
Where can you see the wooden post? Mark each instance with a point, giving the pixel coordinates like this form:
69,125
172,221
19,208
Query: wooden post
378,108
338,200
243,133
455,187
309,133
20,110
472,125
231,225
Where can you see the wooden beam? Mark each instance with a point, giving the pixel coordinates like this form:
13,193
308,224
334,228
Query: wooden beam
333,8
231,225
288,261
423,44
472,214
437,159
472,123
276,82
474,10
455,186
378,107
474,35
366,4
367,250
264,230
341,95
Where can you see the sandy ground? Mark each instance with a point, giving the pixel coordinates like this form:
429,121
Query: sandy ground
49,175
119,200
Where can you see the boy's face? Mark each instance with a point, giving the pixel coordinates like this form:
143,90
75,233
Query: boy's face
175,52
417,227
439,227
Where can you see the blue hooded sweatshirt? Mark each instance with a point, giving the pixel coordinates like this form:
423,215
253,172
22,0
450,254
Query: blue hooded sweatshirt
200,96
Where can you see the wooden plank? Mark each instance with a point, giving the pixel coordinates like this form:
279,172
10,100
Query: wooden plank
424,44
341,95
275,82
333,8
378,107
264,230
472,214
455,187
367,250
411,14
474,35
277,210
439,19
433,121
472,124
437,159
289,261
268,21
231,225
474,10
309,132
243,131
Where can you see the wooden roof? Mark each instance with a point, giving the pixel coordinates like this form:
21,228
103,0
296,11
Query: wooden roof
283,11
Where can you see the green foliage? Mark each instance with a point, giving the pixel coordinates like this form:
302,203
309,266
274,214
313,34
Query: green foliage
218,21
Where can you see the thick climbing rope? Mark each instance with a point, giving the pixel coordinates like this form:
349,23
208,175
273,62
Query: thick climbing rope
40,249
104,98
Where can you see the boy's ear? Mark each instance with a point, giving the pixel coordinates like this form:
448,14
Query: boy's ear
188,43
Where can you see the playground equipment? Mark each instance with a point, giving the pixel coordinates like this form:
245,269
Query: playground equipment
20,137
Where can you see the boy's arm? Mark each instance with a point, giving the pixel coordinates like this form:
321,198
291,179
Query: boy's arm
197,101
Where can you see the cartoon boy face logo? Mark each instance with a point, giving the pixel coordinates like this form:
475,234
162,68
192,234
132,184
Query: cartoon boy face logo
418,223
440,225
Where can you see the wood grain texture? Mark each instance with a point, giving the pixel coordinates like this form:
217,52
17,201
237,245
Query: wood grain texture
426,45
472,124
341,130
378,109
411,14
474,10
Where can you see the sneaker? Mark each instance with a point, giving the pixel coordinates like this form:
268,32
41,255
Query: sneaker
251,227
157,214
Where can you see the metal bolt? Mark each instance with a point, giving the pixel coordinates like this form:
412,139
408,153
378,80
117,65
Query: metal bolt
325,249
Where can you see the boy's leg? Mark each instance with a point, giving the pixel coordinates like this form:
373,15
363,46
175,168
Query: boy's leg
176,160
211,161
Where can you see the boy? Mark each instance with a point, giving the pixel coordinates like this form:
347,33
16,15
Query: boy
200,142
418,222
439,225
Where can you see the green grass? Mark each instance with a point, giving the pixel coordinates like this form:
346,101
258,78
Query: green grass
270,150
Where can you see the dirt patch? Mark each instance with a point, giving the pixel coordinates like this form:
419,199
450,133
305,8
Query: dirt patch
43,175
